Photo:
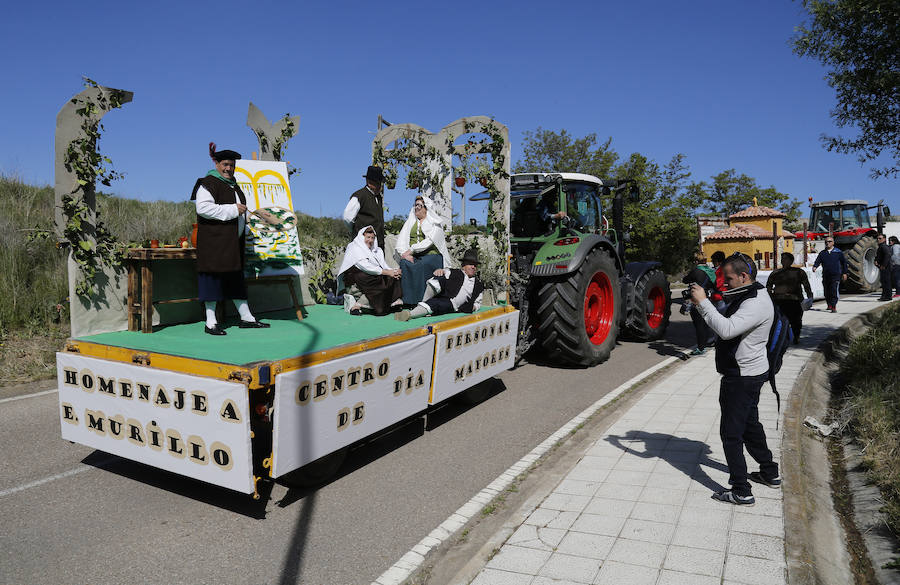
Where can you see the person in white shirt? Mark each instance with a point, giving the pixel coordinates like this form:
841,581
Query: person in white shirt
457,290
366,206
221,208
365,278
421,249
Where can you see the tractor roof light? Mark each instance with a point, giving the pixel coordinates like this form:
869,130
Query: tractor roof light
566,242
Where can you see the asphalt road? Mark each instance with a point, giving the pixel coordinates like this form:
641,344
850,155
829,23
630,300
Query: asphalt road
74,515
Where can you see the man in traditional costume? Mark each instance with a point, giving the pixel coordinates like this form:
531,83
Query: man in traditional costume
421,249
366,206
456,290
221,219
366,279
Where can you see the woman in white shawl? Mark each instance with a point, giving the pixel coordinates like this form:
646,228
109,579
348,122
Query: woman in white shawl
365,276
421,249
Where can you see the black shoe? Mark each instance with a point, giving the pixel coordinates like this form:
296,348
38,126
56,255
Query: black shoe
253,325
757,477
356,312
729,497
215,330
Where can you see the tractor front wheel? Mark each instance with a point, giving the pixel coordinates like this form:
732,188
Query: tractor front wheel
578,315
863,274
652,306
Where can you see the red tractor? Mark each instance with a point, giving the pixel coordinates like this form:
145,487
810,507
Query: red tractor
847,220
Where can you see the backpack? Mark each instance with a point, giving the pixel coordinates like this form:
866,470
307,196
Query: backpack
780,337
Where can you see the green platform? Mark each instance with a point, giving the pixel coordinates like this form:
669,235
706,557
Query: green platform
324,327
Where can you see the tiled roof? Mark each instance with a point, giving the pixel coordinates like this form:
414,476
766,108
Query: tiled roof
756,211
745,231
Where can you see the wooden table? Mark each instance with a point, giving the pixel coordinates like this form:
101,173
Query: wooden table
140,276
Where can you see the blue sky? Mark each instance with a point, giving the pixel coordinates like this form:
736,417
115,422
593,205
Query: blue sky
714,80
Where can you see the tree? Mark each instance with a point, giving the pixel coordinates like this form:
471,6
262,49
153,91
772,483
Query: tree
859,40
730,192
546,150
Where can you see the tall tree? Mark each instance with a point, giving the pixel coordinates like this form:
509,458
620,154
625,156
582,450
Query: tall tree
731,192
546,150
859,41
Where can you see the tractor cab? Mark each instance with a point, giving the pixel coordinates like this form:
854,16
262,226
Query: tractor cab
544,206
850,217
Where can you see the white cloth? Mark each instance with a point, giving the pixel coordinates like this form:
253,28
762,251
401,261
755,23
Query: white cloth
369,260
352,208
209,209
432,227
752,323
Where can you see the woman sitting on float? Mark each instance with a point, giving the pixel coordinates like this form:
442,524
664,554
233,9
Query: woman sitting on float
366,279
421,249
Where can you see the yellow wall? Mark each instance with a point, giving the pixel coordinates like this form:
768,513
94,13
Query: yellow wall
763,222
750,248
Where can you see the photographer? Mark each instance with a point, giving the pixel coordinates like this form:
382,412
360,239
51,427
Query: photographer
705,277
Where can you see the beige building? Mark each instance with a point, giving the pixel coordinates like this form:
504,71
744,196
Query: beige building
756,231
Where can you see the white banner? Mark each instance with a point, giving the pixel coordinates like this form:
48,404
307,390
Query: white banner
325,407
265,183
191,425
473,353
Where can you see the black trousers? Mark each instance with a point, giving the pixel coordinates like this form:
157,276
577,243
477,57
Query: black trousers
793,310
705,336
740,428
831,282
885,274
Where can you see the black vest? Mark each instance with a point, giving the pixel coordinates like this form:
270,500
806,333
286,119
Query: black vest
371,212
219,248
453,283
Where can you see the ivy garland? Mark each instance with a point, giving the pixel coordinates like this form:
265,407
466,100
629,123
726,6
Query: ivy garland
91,245
287,132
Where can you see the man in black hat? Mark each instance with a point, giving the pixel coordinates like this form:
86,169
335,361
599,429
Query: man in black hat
366,206
457,290
221,209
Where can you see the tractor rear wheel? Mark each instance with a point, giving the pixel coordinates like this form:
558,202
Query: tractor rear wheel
863,274
577,316
652,303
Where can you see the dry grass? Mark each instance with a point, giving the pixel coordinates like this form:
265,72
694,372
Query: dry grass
27,356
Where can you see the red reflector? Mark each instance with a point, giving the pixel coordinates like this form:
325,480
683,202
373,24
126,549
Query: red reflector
566,242
261,409
561,266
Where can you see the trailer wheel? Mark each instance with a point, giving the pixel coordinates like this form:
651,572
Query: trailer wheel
578,315
652,306
863,274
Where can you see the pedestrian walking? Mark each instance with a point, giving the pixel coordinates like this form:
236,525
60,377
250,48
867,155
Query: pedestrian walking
895,264
883,262
834,271
741,360
786,286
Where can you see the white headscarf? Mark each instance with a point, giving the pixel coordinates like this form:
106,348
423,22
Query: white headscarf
357,251
432,227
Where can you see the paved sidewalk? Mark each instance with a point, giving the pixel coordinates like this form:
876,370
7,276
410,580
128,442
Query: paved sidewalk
636,509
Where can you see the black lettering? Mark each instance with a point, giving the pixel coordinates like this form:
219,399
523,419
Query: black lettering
162,399
125,389
108,386
221,457
459,374
353,377
199,402
154,434
179,398
321,385
468,338
449,343
383,368
68,412
174,441
115,427
303,393
337,382
71,377
87,381
229,411
343,418
143,392
134,434
368,373
420,379
398,386
95,424
197,451
359,412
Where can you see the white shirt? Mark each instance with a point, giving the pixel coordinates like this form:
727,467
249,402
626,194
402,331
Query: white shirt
209,209
465,290
353,208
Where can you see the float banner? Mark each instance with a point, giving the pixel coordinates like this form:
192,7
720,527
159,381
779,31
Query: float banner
194,426
325,407
467,355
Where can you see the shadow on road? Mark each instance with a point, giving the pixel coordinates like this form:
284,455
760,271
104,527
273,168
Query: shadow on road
296,546
182,485
686,455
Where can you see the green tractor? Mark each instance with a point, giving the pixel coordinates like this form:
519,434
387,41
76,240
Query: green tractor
569,277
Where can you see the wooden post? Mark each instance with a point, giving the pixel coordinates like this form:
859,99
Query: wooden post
775,245
805,244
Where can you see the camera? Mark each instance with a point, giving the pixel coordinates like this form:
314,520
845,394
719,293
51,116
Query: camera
686,301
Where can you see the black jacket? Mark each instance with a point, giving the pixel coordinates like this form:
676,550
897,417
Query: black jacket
219,248
452,282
